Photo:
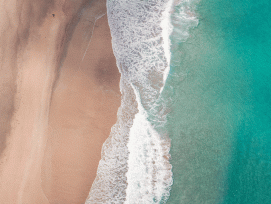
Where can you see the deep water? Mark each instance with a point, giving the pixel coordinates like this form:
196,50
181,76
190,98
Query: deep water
220,119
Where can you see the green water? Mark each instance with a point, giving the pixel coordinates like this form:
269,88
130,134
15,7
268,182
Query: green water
220,124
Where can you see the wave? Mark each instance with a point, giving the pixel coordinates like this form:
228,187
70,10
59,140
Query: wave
135,164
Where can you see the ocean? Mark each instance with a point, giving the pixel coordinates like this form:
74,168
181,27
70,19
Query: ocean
195,117
220,119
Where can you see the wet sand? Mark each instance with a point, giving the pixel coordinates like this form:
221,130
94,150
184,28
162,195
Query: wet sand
59,99
83,110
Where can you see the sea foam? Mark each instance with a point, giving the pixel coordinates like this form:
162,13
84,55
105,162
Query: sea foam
135,164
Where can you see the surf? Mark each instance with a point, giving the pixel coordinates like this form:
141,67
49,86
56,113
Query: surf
135,158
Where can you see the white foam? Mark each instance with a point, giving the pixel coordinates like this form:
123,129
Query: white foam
134,167
167,29
149,175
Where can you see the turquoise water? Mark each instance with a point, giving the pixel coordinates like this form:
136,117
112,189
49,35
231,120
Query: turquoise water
220,123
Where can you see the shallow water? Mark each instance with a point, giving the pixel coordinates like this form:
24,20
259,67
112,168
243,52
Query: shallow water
220,122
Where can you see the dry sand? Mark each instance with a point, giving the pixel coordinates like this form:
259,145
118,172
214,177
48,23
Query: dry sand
59,96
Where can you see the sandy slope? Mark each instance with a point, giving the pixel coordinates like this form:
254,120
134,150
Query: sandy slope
59,96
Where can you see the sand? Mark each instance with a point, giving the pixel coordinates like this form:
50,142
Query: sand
58,99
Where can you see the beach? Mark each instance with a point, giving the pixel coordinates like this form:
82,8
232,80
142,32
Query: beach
59,99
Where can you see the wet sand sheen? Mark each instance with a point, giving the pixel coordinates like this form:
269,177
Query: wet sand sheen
54,124
83,110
